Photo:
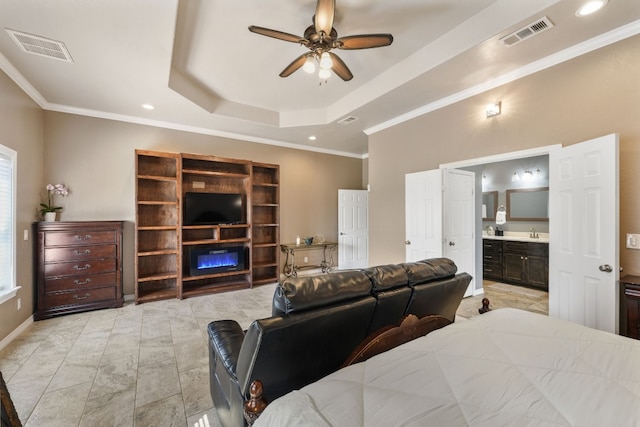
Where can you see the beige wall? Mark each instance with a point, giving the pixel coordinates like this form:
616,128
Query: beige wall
95,158
590,96
21,129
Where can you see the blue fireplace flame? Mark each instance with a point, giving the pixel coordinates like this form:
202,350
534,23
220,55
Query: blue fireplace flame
217,260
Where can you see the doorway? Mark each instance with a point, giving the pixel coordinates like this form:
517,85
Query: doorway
518,162
583,214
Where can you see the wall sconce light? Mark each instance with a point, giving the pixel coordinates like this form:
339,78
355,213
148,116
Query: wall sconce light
515,177
493,109
528,175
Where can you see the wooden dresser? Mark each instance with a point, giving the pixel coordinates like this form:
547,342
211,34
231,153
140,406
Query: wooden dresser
78,267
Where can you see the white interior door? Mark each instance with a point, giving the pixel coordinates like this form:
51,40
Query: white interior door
459,221
583,229
439,212
353,229
423,215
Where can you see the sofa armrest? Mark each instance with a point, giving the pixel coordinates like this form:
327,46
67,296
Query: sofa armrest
225,338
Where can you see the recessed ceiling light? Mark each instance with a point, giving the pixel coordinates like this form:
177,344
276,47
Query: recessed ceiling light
590,7
312,138
148,106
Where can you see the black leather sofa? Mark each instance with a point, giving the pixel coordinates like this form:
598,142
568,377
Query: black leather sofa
317,322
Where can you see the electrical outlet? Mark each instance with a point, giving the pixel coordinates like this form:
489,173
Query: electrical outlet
25,235
306,259
19,303
633,241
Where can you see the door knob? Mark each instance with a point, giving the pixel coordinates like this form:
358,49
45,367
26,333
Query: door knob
452,243
606,268
342,234
407,242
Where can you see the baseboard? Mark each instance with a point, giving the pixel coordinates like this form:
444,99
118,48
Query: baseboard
15,333
130,297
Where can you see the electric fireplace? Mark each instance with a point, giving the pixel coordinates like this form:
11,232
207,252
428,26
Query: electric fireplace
216,259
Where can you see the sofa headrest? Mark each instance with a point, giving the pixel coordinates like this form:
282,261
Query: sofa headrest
384,277
429,270
302,293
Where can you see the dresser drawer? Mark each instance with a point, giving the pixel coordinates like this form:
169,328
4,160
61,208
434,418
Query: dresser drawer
83,296
79,267
79,253
80,238
70,283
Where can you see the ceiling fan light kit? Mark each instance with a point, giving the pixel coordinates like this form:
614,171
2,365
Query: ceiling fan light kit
320,38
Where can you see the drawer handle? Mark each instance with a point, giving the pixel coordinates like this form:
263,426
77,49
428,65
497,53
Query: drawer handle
78,268
81,298
78,282
488,269
82,238
85,252
488,256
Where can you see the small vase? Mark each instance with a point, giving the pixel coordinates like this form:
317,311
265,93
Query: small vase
49,216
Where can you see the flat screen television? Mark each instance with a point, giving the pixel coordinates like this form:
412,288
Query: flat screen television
212,208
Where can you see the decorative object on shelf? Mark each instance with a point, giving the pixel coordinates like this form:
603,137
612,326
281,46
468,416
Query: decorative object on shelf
48,210
318,238
49,216
308,240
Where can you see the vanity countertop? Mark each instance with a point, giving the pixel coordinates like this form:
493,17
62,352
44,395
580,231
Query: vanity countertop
519,237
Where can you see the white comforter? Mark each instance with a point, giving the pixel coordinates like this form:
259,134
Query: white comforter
504,368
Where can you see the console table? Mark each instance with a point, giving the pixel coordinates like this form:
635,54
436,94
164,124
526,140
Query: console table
290,267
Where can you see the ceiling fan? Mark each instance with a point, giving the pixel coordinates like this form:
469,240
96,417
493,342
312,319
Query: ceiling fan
320,38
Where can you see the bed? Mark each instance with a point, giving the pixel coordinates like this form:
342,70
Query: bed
505,367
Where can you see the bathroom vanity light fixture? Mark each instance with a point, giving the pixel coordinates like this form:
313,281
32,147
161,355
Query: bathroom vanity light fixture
528,175
515,177
493,109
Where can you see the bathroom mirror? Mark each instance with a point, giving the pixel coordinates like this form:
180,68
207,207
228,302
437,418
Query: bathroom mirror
489,205
528,204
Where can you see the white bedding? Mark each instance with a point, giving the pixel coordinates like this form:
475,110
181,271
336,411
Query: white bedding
504,368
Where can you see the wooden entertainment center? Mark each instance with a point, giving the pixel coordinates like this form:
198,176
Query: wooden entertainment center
166,245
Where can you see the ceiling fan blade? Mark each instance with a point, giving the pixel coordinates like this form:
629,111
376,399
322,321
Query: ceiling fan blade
295,65
364,41
276,34
323,19
340,68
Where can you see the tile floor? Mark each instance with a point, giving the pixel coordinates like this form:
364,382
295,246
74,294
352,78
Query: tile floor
147,365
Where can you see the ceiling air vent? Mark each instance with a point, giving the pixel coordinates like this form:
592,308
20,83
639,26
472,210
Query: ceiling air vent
40,45
347,120
536,27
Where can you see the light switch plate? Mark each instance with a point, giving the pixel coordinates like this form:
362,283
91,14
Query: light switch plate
633,241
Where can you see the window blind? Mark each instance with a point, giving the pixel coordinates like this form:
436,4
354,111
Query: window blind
6,223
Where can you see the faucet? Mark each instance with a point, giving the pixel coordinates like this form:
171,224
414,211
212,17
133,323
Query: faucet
533,234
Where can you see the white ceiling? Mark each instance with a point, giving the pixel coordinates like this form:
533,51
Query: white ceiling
197,63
